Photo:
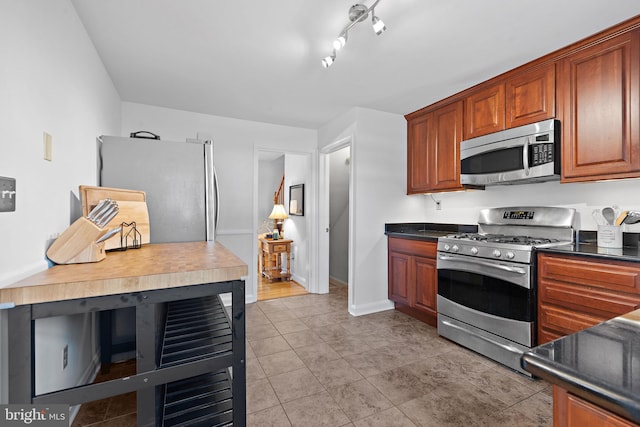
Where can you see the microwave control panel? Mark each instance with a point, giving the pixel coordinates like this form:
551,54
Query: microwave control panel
541,154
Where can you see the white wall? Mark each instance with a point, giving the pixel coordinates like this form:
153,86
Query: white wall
464,207
51,79
297,170
235,142
339,214
378,154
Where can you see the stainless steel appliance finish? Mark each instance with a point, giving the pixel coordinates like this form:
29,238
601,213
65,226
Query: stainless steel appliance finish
529,153
486,280
178,178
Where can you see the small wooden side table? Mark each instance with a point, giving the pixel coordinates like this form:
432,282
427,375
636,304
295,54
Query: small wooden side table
271,260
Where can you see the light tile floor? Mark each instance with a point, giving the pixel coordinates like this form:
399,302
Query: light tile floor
309,363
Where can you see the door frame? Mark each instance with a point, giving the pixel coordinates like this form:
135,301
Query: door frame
311,221
323,214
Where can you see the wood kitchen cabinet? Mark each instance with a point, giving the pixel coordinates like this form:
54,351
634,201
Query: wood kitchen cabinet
484,111
572,411
599,102
413,277
527,96
575,293
530,96
592,87
433,149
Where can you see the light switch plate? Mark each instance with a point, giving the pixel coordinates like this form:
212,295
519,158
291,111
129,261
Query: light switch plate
7,194
47,142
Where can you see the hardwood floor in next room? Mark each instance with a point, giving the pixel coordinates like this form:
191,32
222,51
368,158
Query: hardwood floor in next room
278,289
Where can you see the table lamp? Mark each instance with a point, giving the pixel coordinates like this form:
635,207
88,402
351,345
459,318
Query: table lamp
277,215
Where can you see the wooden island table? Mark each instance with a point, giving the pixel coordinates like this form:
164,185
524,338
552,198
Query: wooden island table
186,344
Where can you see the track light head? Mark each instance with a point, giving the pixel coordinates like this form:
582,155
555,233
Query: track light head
378,25
328,60
340,41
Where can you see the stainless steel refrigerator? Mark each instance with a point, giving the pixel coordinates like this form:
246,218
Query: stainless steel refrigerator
181,194
178,177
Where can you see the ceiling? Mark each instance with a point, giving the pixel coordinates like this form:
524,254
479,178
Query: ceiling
261,60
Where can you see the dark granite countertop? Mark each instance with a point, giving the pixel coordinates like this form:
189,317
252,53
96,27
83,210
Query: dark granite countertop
587,246
586,240
600,364
426,230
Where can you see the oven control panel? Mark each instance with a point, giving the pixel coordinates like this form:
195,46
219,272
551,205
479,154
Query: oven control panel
504,252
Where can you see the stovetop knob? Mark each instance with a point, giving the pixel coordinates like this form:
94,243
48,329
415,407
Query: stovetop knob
511,255
455,248
497,253
447,246
474,250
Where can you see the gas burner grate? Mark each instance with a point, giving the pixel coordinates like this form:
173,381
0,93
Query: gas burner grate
502,238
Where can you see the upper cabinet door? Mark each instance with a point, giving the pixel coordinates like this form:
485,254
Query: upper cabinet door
433,149
447,135
599,102
530,96
484,111
418,132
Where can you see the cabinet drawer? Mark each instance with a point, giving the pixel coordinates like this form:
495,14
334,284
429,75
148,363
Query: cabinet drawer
566,321
613,275
588,299
413,247
279,248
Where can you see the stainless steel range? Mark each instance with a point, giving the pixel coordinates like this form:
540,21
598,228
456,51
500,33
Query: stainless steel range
487,280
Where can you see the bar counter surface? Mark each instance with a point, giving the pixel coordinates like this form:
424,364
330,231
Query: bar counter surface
154,266
153,279
600,364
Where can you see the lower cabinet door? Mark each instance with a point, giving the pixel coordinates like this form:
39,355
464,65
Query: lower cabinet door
399,276
426,284
572,411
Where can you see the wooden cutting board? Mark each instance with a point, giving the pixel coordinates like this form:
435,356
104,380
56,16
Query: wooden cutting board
132,208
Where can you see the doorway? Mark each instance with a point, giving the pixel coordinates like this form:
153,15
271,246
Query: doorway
276,173
335,217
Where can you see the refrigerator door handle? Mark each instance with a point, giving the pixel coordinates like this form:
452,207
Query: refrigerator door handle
211,185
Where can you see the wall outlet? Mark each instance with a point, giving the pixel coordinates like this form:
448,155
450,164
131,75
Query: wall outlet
65,356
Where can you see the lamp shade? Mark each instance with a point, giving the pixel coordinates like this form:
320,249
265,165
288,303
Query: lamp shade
278,212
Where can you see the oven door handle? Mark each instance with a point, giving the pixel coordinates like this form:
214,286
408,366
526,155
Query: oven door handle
485,264
510,348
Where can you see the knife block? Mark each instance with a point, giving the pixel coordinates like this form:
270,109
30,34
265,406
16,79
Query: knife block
77,244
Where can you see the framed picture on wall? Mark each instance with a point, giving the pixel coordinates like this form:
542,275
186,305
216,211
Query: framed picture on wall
296,200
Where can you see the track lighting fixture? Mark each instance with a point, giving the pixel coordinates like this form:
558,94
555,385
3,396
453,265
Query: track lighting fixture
357,13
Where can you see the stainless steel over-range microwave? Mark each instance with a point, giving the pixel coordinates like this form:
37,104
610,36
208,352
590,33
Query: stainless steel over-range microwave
529,153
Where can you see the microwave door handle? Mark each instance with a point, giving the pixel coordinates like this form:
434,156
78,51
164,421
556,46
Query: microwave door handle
525,155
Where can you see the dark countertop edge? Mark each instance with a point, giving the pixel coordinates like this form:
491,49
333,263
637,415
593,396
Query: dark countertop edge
623,405
586,240
426,230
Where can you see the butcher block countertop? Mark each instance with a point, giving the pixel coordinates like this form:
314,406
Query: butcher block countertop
153,266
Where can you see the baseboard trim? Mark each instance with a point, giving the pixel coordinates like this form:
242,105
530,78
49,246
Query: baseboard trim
374,307
337,282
